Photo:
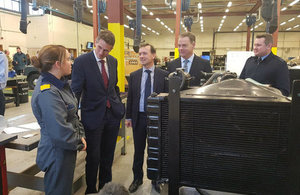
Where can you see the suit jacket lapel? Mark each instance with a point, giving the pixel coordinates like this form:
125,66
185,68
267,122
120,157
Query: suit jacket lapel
139,82
155,79
194,65
110,71
178,63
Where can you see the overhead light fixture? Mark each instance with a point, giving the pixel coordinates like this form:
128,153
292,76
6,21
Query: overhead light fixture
157,33
260,24
157,19
175,12
298,16
222,21
153,31
106,17
151,13
224,17
227,10
91,11
284,8
296,26
283,23
244,20
289,28
132,29
143,25
294,2
292,19
126,26
162,23
129,18
148,28
229,4
240,24
144,8
199,5
143,33
256,26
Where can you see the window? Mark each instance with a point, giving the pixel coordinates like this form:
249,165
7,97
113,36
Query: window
13,5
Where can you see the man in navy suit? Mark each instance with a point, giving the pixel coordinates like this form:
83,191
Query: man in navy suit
188,60
142,83
94,81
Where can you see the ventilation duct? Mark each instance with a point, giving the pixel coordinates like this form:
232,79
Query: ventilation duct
23,22
137,38
77,7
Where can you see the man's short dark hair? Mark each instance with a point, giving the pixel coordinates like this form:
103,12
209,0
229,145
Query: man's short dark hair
152,49
190,35
268,38
106,36
18,47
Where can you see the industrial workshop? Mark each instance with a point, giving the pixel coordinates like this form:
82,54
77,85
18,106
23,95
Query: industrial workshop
147,97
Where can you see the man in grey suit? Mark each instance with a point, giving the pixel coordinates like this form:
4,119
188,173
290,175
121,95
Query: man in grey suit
188,60
142,83
94,81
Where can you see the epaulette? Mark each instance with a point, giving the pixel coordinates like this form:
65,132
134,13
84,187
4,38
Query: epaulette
44,87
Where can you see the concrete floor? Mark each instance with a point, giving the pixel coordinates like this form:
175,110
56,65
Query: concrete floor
18,161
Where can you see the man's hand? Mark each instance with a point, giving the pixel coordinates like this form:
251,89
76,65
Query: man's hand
128,123
84,143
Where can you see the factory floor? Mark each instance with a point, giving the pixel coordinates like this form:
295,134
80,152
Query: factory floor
17,161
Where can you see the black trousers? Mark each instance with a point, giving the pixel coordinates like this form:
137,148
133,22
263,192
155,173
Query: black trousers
139,137
101,143
2,103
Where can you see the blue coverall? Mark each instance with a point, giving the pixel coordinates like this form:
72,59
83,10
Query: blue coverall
55,108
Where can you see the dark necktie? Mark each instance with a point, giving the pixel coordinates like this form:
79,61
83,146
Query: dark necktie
105,79
185,65
259,60
147,88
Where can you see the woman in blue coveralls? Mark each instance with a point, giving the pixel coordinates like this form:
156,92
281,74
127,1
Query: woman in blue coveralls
55,108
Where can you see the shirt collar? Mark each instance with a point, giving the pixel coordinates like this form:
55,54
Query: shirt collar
98,59
264,57
53,80
190,59
152,68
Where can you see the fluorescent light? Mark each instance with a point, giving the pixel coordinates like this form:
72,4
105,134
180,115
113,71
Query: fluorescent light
227,10
162,23
148,28
130,18
260,24
292,19
240,24
166,26
143,34
199,5
91,11
144,8
244,20
126,26
157,33
256,26
224,17
284,8
143,25
283,23
157,19
131,28
153,31
298,16
294,2
229,4
106,17
200,11
175,12
201,17
289,28
151,13
296,26
234,29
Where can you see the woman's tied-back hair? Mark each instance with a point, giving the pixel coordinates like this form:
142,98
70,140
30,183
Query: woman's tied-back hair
48,56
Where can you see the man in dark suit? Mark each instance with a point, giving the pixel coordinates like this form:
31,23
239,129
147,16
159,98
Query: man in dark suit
142,83
188,60
94,81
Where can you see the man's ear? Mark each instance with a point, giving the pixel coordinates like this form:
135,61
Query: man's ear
57,64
